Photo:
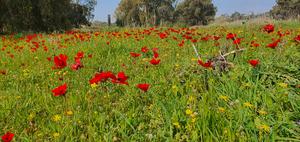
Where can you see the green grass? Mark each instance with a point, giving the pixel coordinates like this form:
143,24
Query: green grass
185,102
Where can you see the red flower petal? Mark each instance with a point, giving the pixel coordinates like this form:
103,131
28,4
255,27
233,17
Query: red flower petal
8,137
143,87
253,62
60,91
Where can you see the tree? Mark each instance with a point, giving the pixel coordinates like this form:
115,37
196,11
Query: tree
236,16
285,9
44,15
155,12
128,12
144,12
195,12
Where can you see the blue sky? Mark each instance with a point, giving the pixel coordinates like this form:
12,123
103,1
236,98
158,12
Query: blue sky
105,7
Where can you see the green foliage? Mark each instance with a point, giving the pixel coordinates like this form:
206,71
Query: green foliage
159,12
196,12
144,12
286,9
43,15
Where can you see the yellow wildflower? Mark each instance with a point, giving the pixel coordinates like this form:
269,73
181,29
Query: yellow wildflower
94,86
191,99
56,118
262,112
246,85
145,59
247,104
283,85
26,72
194,59
188,112
193,115
225,131
194,120
31,116
176,124
69,112
221,109
225,98
175,88
55,135
264,128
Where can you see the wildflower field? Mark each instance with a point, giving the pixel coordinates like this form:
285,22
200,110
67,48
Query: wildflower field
232,83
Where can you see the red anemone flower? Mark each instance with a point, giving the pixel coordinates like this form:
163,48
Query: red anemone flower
194,40
269,28
60,61
103,76
280,34
230,36
49,58
216,37
297,38
121,78
206,38
237,41
273,44
155,49
254,62
60,91
144,49
163,35
155,53
254,44
143,87
155,61
79,55
135,55
181,44
8,137
208,64
77,65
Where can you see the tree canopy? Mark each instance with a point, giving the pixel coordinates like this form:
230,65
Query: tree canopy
196,12
285,9
155,12
44,15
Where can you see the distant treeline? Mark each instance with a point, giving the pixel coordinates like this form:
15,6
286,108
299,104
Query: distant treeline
190,12
283,10
44,15
158,12
60,15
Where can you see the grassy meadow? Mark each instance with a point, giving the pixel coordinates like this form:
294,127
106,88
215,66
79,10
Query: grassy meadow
226,97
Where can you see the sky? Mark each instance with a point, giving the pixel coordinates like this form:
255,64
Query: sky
105,7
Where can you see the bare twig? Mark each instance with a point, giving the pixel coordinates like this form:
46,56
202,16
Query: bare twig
197,54
234,51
